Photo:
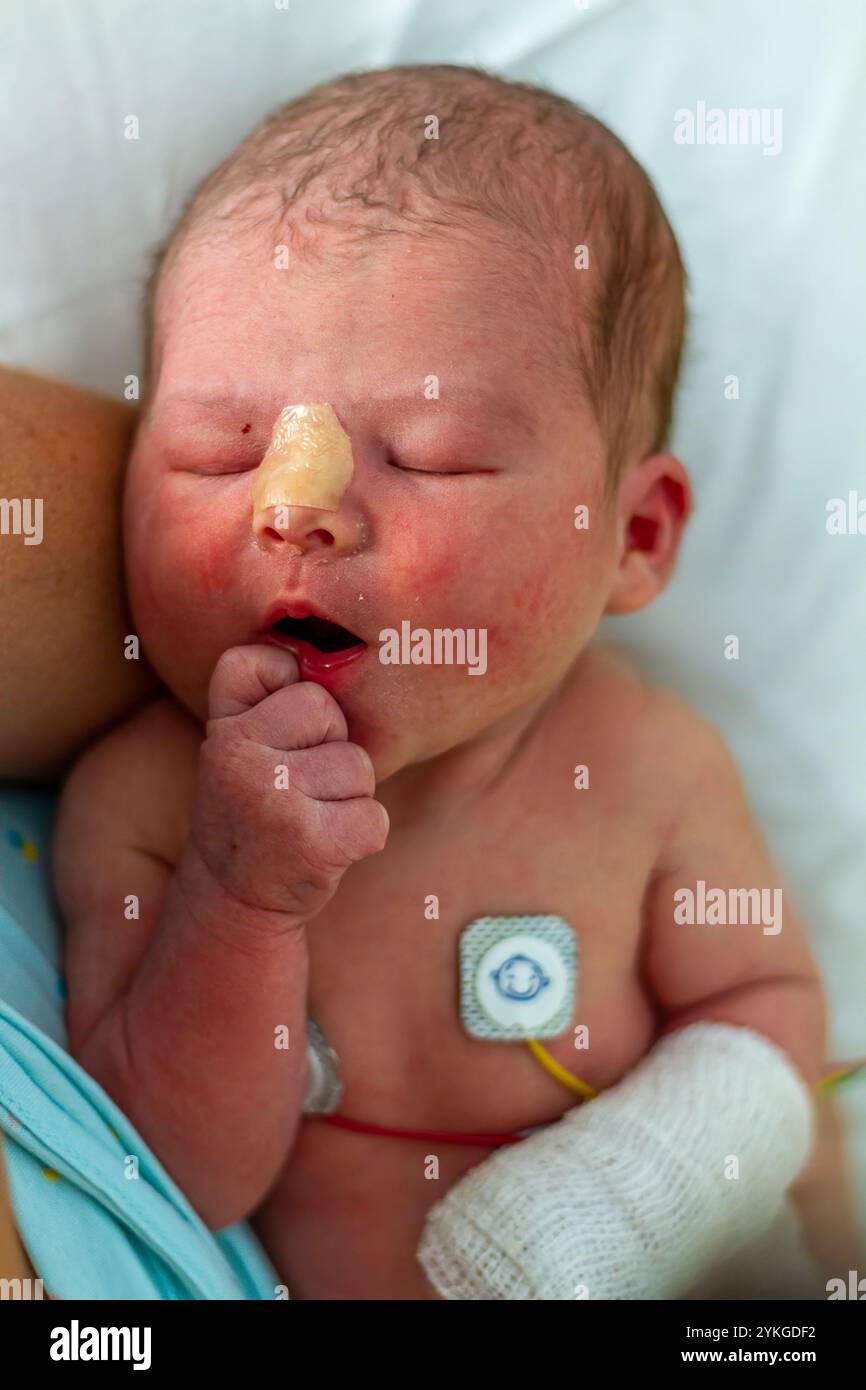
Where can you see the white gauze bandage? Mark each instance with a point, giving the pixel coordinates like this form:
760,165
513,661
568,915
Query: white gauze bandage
308,461
636,1194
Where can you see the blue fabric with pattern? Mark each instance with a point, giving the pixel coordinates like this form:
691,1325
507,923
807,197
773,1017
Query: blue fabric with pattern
91,1230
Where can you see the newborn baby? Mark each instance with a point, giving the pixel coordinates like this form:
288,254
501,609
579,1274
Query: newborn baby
413,350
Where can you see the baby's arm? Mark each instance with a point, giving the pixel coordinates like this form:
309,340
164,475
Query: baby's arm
741,975
768,981
759,974
167,1010
634,1195
175,1013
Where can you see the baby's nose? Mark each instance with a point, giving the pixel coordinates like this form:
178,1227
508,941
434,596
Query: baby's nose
297,530
299,486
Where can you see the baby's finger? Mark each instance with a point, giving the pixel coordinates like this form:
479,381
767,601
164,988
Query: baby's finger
354,829
333,772
298,716
244,676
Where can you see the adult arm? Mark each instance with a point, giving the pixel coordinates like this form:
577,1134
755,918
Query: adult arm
63,613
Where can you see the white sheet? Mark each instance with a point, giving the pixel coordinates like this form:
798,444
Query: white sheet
774,247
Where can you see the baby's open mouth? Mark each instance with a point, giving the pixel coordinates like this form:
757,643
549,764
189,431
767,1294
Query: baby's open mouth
325,636
321,647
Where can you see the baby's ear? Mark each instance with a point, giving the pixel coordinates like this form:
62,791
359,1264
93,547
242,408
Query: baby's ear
653,504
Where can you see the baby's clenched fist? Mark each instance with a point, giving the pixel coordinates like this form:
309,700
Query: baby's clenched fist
285,803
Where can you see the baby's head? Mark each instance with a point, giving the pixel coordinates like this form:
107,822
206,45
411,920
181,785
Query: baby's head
478,280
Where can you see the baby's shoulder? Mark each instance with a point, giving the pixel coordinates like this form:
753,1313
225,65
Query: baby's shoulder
632,720
158,740
137,780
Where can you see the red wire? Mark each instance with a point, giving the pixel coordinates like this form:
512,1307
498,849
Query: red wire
437,1136
440,1136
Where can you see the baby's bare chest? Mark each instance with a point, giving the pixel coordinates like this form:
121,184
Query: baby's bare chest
386,957
345,1218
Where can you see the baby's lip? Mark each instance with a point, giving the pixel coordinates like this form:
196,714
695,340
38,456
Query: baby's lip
317,638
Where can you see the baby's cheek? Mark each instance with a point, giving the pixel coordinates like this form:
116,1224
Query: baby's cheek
537,599
526,621
420,564
446,573
555,574
208,560
180,561
544,613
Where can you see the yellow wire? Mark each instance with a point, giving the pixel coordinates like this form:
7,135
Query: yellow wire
559,1072
581,1088
836,1076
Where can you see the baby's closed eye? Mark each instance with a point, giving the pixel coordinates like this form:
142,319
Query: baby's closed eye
434,469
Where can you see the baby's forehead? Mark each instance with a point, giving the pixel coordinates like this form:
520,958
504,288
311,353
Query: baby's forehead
489,292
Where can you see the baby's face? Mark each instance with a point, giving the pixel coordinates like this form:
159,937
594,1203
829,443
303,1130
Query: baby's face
460,510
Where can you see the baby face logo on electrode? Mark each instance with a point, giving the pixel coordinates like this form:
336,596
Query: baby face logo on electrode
519,977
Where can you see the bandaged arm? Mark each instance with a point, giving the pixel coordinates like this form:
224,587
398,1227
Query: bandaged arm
637,1193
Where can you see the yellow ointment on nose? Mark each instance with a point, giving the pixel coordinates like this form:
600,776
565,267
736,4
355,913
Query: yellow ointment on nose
308,461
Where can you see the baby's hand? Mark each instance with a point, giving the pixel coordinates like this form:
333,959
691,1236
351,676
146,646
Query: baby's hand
284,802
